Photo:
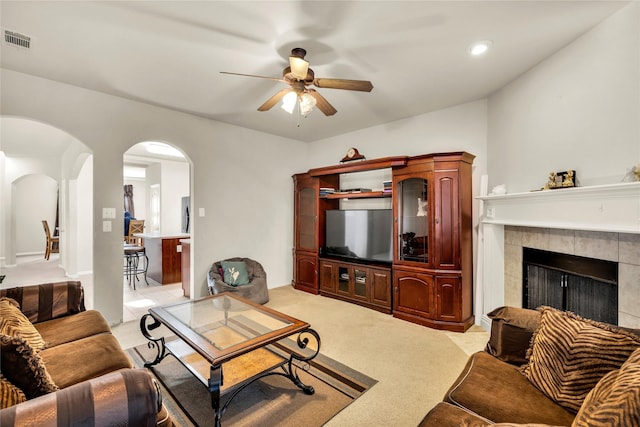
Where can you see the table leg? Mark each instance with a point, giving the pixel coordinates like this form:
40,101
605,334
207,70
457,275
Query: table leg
157,343
291,369
215,382
146,266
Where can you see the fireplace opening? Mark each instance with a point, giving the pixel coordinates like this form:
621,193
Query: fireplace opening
585,286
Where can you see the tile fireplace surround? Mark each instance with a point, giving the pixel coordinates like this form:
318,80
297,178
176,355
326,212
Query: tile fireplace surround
600,222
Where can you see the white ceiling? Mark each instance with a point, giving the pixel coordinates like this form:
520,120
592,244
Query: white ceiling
170,53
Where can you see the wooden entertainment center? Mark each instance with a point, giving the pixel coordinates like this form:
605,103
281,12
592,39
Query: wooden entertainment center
430,278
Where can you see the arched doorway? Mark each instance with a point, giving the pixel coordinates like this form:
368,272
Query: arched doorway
156,189
45,174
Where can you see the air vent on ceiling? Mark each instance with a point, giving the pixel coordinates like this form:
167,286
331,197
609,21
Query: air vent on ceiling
17,39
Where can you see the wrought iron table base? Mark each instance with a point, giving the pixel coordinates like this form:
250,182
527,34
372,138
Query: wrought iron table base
216,378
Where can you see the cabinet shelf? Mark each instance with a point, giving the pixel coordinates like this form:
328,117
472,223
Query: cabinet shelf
363,195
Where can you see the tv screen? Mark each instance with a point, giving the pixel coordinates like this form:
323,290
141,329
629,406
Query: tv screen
361,234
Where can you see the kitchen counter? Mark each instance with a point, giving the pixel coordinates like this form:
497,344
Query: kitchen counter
165,256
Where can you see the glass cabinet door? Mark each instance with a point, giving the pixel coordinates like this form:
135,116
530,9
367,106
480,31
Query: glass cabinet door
413,222
343,280
307,219
360,283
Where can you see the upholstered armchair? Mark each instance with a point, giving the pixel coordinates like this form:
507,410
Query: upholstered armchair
256,288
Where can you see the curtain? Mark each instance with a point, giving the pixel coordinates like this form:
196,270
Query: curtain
128,200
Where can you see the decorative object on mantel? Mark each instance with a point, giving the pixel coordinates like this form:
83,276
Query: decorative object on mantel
499,190
632,174
352,154
564,179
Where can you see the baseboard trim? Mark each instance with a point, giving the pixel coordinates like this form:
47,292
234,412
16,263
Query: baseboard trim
485,322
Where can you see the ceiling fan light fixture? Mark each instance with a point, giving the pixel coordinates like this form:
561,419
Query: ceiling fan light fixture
289,102
307,102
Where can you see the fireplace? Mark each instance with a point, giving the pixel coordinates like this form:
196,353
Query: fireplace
597,222
585,286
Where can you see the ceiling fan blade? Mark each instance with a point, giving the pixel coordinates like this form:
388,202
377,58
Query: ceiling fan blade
361,85
274,99
252,75
322,104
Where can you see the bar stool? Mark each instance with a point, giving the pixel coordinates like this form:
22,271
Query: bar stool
132,265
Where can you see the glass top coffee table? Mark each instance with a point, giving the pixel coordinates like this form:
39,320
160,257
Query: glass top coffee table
230,333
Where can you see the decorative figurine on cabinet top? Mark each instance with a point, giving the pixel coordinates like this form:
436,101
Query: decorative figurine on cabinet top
352,154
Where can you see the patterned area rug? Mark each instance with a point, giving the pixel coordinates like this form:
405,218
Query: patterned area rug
270,401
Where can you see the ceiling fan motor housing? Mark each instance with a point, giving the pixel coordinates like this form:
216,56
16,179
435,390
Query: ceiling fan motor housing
298,52
288,76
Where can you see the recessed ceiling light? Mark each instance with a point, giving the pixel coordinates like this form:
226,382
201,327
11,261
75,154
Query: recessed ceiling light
479,48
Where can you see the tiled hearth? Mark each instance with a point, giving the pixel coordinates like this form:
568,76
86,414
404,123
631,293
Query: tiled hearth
623,248
600,222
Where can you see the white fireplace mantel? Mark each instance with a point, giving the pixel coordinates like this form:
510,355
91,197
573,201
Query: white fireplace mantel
612,208
604,208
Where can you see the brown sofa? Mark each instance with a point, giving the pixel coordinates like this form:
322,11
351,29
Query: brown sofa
71,370
546,367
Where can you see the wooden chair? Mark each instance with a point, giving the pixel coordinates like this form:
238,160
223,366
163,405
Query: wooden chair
135,226
52,242
134,251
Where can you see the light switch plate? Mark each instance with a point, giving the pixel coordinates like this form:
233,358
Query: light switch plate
108,213
200,211
106,226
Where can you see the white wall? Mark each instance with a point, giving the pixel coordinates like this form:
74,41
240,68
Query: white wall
174,186
35,198
241,178
75,206
84,216
578,109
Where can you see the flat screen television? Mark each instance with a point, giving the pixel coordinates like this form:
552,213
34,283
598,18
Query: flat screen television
365,234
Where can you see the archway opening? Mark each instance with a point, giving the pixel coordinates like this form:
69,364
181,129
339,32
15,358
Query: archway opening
46,174
156,192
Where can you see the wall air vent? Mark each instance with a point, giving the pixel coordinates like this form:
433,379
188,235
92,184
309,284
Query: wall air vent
17,39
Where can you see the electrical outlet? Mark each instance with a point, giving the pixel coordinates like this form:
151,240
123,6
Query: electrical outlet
106,226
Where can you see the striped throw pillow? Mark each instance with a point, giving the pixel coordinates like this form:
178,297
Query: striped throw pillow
615,400
10,394
570,354
14,323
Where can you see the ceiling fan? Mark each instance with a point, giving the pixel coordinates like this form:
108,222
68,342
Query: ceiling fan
299,76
